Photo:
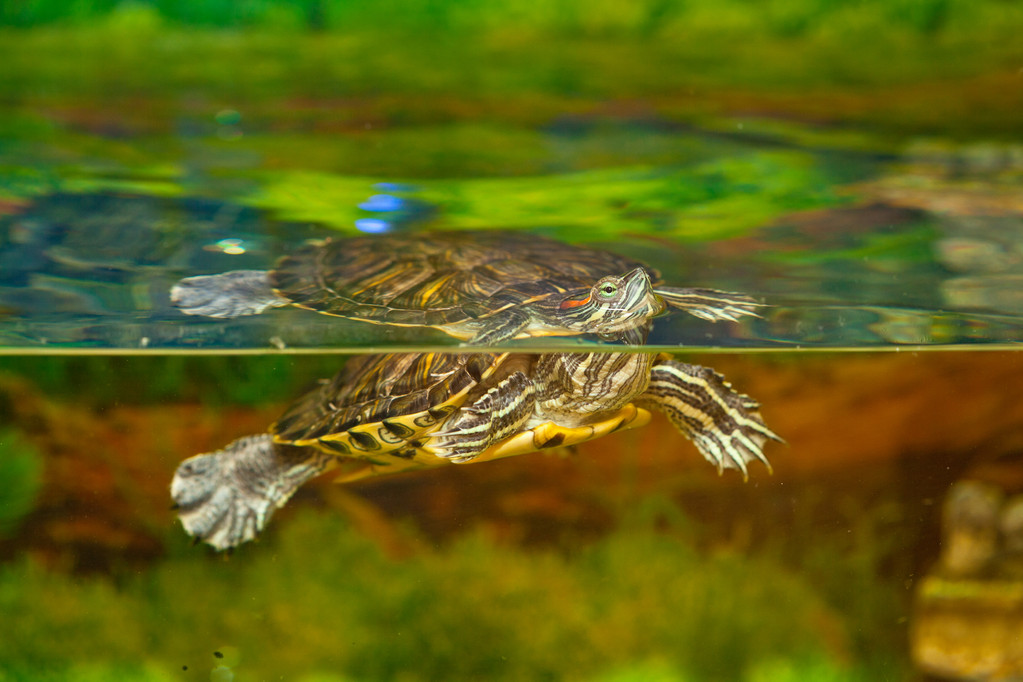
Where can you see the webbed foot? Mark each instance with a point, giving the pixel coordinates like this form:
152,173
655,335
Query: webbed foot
229,294
227,497
725,425
710,304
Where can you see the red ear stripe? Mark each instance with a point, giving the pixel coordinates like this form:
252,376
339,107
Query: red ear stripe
569,303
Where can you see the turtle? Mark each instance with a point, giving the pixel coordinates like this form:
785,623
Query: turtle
481,287
405,411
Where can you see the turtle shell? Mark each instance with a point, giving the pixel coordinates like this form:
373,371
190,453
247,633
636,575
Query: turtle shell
438,279
377,406
382,410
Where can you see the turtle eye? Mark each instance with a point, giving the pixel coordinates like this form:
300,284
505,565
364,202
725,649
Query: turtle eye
608,289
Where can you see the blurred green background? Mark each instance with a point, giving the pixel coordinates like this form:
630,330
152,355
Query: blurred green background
902,65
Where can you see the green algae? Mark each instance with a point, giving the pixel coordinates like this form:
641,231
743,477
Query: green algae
715,199
706,189
523,62
321,602
212,380
21,470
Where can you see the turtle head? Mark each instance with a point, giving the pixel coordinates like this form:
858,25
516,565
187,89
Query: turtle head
612,305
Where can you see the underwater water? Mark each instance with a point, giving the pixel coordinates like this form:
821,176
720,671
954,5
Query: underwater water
874,205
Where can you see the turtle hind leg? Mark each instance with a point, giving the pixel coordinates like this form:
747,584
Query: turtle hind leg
229,294
227,497
725,425
710,304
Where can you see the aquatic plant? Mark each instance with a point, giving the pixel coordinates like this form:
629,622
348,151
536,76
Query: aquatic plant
213,380
644,18
639,604
21,469
528,61
710,197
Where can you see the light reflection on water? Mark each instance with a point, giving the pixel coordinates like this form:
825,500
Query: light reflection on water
94,271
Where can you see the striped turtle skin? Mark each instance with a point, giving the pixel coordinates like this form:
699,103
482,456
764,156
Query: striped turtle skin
405,411
481,287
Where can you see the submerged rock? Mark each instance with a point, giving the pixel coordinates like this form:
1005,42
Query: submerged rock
968,614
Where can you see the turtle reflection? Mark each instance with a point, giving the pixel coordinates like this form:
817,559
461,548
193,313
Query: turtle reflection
483,287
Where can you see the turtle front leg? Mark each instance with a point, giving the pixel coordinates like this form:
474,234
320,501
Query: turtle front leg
227,497
725,425
710,304
494,416
500,327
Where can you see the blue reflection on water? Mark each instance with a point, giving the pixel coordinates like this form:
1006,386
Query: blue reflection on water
373,225
394,187
381,203
396,213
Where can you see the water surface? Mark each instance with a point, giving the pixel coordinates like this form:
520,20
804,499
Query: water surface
849,249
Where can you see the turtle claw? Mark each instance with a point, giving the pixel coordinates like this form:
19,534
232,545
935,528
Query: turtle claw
227,497
725,425
710,304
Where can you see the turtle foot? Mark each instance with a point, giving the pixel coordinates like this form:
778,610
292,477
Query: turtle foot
227,497
710,304
725,425
229,294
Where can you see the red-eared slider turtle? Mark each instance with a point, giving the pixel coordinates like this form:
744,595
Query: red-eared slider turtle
390,413
481,287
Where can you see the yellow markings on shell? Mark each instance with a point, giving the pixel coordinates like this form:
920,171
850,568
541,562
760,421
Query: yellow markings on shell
353,469
386,442
543,435
384,276
438,282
